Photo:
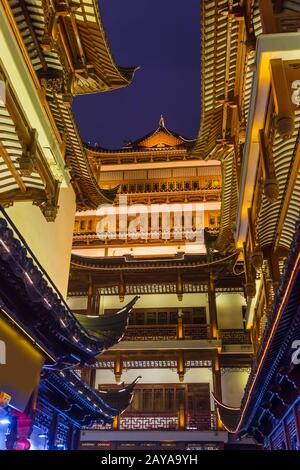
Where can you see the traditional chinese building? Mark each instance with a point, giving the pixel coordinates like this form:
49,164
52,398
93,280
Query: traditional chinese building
200,236
219,319
255,120
187,333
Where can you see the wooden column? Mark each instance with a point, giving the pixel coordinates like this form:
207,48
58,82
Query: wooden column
85,375
118,368
180,328
217,384
93,298
90,294
181,417
180,366
121,288
213,317
88,375
93,377
116,423
179,287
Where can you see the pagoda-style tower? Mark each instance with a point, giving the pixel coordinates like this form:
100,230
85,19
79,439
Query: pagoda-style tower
186,337
154,170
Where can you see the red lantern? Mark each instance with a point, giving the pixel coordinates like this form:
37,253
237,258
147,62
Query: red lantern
23,444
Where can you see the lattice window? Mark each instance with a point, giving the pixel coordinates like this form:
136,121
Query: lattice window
151,422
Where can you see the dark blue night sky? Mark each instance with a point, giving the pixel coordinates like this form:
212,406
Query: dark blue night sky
163,38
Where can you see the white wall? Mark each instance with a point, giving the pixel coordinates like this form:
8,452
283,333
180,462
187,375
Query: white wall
51,242
233,385
229,309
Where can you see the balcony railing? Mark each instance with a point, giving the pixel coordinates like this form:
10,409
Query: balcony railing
165,332
287,22
197,331
201,421
162,421
149,421
151,333
235,336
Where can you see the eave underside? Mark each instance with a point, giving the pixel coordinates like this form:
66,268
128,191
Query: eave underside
275,353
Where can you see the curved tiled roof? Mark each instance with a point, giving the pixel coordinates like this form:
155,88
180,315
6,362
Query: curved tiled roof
275,348
98,72
108,328
66,392
284,154
51,323
220,43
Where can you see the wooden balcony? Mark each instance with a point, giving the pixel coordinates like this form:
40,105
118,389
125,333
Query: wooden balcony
279,17
162,421
287,22
165,332
190,332
235,336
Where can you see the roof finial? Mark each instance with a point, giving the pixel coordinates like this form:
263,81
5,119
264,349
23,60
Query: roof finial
161,121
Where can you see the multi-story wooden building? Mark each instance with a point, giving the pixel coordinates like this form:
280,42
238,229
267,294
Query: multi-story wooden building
200,235
223,319
187,334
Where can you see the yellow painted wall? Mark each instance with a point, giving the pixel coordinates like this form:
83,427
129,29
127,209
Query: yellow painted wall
51,242
233,385
21,368
229,308
146,301
156,301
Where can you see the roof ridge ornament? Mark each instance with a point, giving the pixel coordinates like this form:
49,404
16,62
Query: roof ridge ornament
161,121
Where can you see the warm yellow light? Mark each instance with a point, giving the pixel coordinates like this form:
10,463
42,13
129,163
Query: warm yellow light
27,334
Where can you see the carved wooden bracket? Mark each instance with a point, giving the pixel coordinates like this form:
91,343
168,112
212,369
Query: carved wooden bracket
28,158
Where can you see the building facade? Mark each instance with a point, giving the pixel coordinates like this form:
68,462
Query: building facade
249,131
149,295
